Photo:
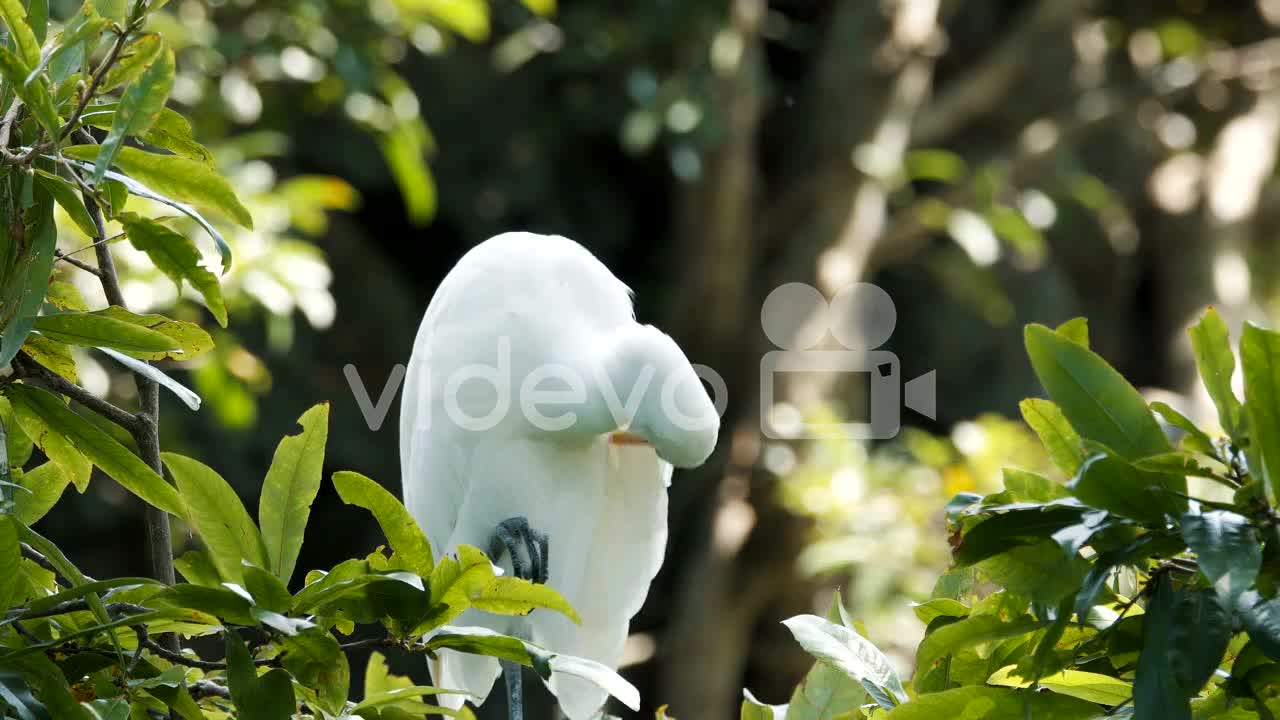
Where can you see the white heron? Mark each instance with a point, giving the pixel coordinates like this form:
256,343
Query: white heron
540,420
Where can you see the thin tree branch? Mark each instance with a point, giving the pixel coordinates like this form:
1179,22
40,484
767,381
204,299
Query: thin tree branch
28,368
38,558
77,263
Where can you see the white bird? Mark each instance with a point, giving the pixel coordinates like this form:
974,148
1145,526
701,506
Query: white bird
532,393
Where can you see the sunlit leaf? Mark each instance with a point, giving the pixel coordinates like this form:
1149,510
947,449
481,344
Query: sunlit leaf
95,330
1211,344
1260,357
219,516
406,538
141,103
1094,687
846,651
44,486
178,258
291,485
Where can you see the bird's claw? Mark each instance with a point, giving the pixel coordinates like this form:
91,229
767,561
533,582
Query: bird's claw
513,534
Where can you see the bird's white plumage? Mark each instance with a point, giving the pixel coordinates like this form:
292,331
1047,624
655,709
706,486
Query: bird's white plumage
546,302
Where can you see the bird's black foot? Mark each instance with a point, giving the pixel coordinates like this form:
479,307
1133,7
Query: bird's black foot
527,547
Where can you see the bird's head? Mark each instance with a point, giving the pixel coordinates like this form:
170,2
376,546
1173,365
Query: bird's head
673,412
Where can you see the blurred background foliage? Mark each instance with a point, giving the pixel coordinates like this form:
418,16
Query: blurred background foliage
988,163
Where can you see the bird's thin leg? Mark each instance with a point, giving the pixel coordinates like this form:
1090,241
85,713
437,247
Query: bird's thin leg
509,536
512,673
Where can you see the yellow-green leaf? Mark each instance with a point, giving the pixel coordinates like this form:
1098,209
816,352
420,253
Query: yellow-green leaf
406,538
175,177
289,489
219,517
34,93
178,258
94,330
15,16
44,485
137,56
142,102
53,444
51,354
191,340
65,194
95,444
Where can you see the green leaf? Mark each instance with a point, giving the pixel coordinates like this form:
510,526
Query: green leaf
221,602
1195,438
17,443
317,661
1112,484
22,293
95,444
84,24
973,630
847,651
197,568
826,694
1094,687
170,131
139,107
1211,344
53,444
1098,402
178,258
177,177
191,341
96,330
48,683
1075,330
10,560
269,697
1041,572
927,612
65,194
1017,527
266,589
15,16
135,59
289,489
1156,693
1227,550
34,93
45,485
404,148
991,703
219,517
402,532
1060,440
1260,357
51,354
1198,639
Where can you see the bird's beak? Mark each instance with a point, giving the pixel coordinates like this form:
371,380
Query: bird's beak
623,437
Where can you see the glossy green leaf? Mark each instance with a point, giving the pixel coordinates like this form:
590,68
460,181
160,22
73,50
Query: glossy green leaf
176,177
1198,639
103,450
1112,484
1195,438
178,258
402,532
141,103
1260,357
96,330
17,443
1000,532
1156,693
269,697
170,131
825,693
927,612
219,517
1060,440
1227,549
53,444
1098,402
1211,343
1040,572
1075,330
291,485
